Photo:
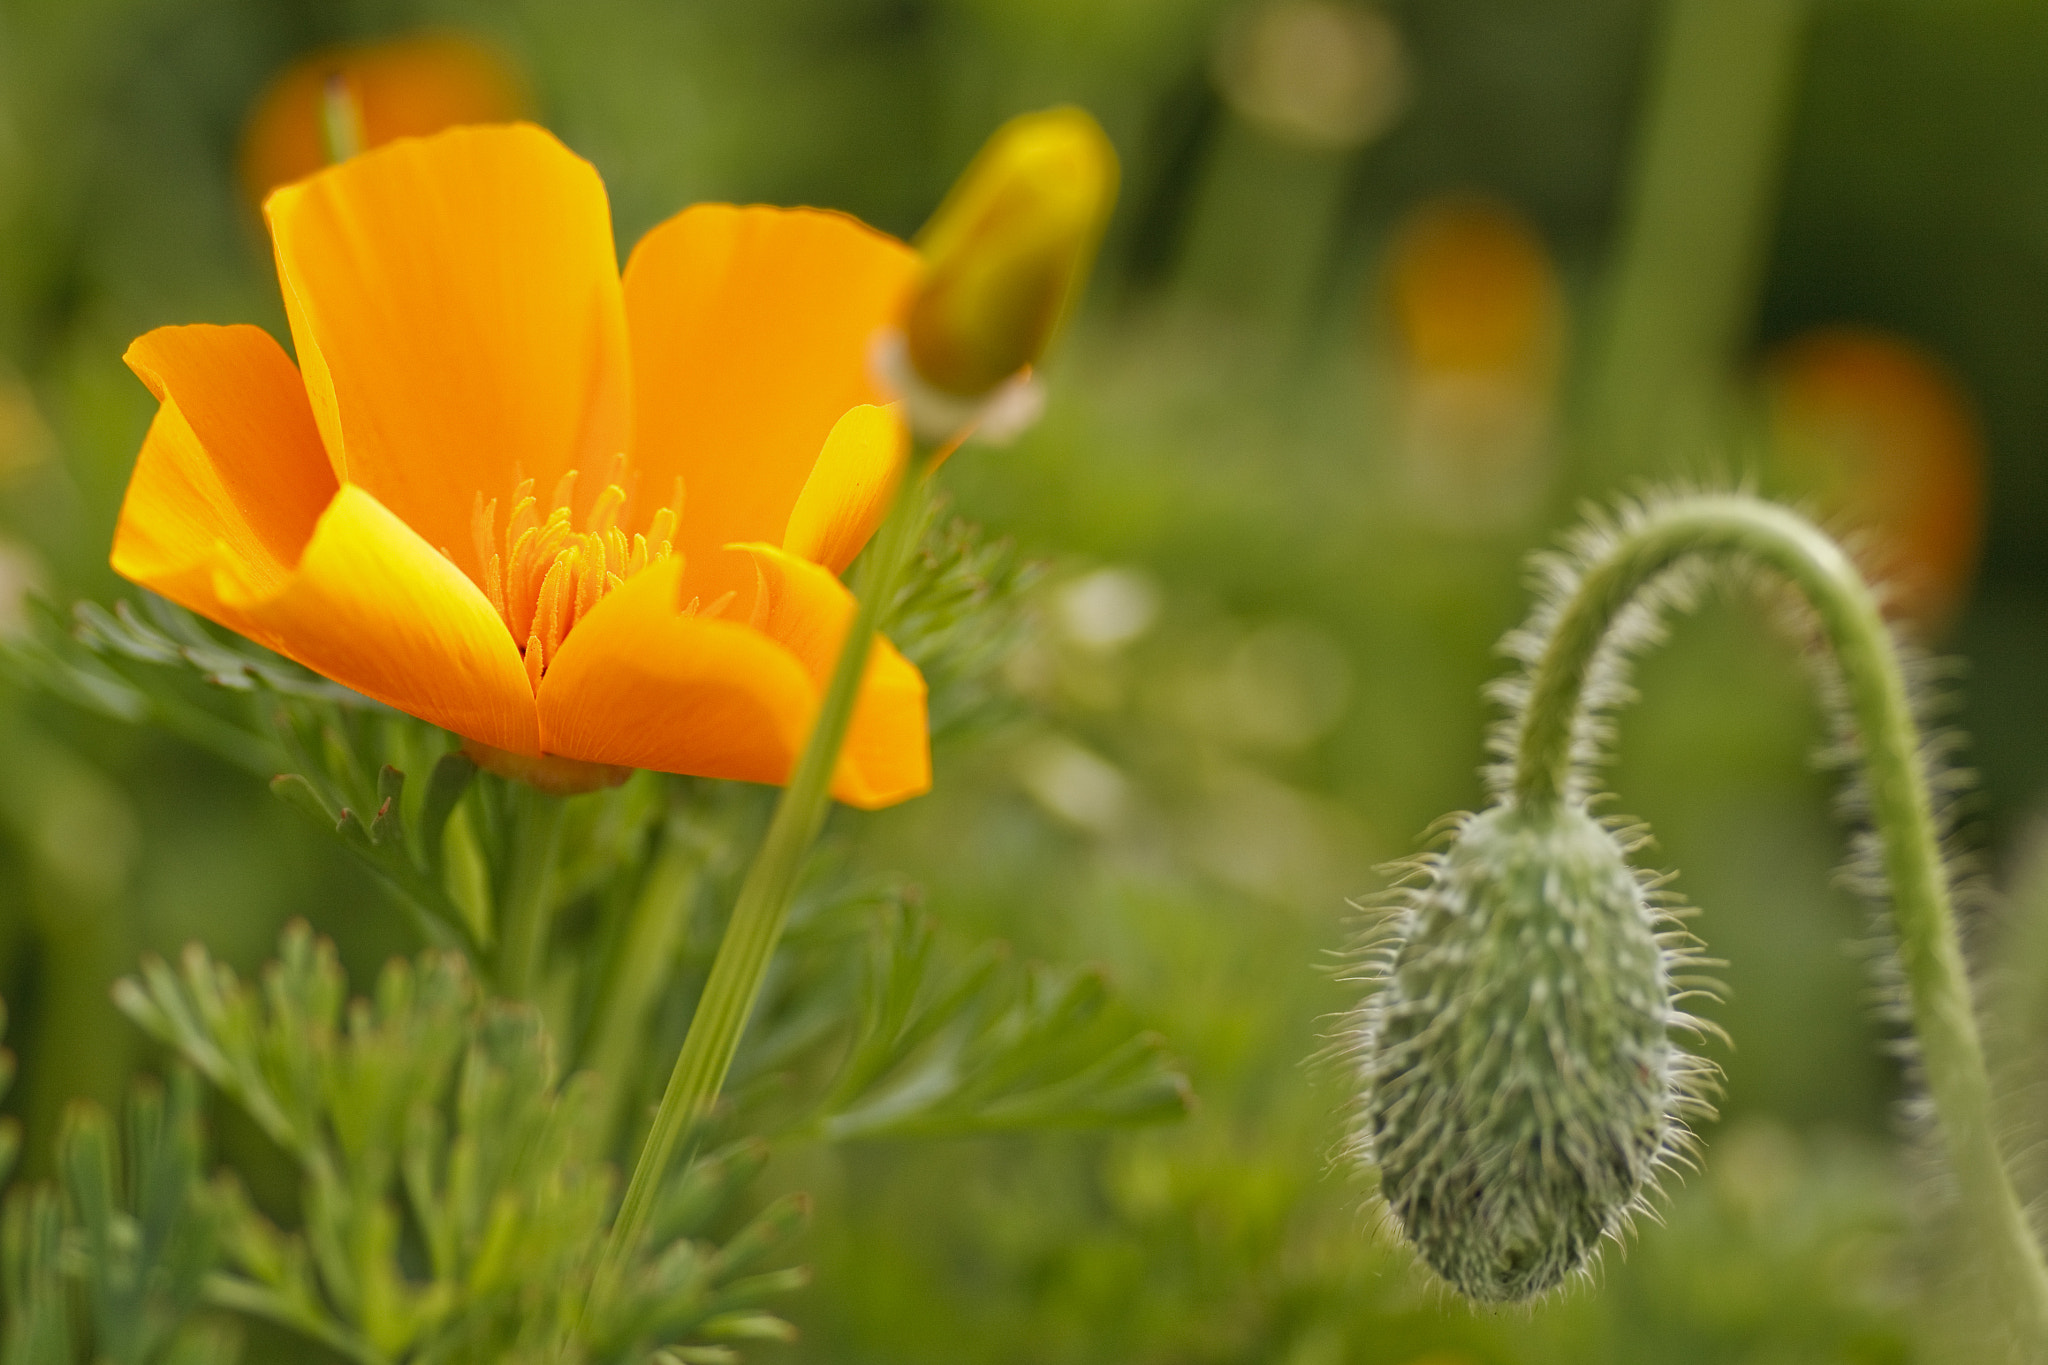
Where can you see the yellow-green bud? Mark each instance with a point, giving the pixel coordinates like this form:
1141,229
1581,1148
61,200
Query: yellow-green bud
1007,251
1521,1086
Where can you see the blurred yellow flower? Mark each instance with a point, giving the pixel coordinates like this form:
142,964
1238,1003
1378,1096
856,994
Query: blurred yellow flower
468,498
1322,73
1879,433
1008,250
25,438
405,87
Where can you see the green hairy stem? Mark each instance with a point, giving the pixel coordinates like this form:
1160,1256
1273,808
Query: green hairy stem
763,904
1545,775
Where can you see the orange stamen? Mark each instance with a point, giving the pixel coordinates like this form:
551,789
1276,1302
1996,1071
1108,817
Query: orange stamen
544,575
604,513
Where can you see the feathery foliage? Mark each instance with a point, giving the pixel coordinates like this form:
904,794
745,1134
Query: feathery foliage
981,1044
453,1193
962,611
109,1264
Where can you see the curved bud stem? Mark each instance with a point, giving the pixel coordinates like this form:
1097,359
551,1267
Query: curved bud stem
1552,737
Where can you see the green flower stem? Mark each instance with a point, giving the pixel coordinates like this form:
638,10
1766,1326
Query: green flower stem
341,120
1545,773
530,897
640,969
763,904
1695,225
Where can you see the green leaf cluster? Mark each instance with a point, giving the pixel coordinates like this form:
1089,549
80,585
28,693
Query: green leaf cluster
950,1044
457,1155
453,1192
964,608
109,1263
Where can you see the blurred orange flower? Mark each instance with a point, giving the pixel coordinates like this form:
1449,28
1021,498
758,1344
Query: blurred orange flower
467,500
1880,433
1472,289
1478,322
405,87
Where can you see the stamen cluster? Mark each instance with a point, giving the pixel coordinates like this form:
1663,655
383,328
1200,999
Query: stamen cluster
548,575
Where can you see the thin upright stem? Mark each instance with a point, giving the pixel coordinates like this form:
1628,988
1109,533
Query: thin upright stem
763,904
341,120
1901,810
640,968
530,897
1697,212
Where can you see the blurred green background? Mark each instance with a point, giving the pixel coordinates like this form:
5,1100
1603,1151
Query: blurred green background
1390,290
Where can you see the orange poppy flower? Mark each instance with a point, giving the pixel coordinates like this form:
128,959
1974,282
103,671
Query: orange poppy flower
401,87
1472,291
468,498
1876,429
1477,320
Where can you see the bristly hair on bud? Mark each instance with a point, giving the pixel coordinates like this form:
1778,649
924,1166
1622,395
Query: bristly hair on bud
1518,1081
1520,1086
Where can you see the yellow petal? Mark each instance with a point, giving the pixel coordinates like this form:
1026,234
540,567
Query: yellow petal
455,303
374,607
232,469
641,684
848,491
750,340
807,610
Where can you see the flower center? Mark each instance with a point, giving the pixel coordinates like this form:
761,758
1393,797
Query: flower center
544,575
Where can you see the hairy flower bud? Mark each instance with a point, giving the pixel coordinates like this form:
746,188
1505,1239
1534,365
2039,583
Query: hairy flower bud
1007,251
1521,1085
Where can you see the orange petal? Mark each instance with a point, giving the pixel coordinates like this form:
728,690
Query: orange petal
231,471
848,491
374,607
455,303
640,684
888,753
807,610
750,340
405,87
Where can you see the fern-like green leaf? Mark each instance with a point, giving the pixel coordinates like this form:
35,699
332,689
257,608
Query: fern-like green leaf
454,1187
